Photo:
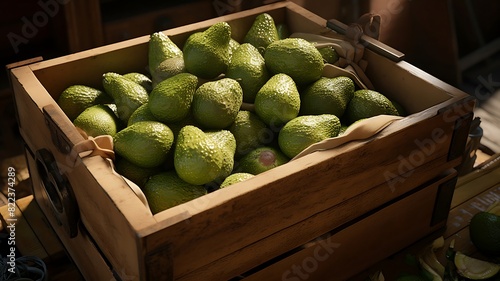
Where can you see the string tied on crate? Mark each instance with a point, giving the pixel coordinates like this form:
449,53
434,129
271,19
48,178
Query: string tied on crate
103,146
349,47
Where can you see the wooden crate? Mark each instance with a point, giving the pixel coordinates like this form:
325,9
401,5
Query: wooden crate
407,168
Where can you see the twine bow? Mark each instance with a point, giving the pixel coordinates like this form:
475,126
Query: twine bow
349,48
103,146
350,64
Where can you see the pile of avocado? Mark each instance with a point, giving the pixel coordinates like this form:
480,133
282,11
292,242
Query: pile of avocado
212,111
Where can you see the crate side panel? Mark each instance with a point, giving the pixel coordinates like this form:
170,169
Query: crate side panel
310,184
87,68
97,205
112,214
81,249
414,89
296,235
344,253
30,98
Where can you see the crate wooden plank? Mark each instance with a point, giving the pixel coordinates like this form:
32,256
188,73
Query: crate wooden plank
24,62
301,233
31,119
357,247
118,225
400,83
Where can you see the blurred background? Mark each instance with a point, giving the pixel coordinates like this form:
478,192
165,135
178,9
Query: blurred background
456,41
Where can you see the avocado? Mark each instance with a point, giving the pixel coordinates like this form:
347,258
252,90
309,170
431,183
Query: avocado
329,54
177,126
136,174
216,103
206,53
278,101
198,159
262,32
295,57
168,68
166,190
261,159
160,48
399,107
127,95
142,113
368,103
145,144
283,31
343,128
305,130
170,100
248,67
76,98
235,178
140,79
97,120
227,143
327,96
233,45
250,132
